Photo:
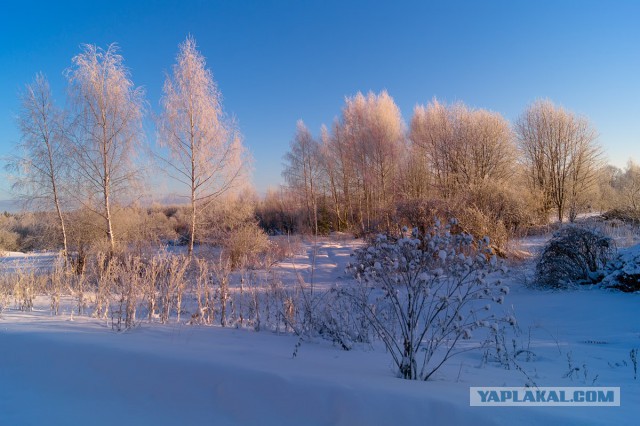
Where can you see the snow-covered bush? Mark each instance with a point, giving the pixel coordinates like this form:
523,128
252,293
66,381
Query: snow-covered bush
625,215
340,320
424,292
623,273
574,255
491,214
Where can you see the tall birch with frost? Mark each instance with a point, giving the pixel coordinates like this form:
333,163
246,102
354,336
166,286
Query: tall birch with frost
41,165
107,130
205,150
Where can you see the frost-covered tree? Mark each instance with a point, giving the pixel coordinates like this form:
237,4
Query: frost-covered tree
106,131
465,148
422,293
560,155
362,157
40,168
205,149
629,185
432,130
303,171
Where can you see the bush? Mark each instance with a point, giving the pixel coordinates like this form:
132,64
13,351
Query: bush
574,255
627,215
422,213
245,244
624,272
502,205
477,221
8,240
27,232
424,292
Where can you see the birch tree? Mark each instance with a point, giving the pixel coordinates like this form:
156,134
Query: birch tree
368,141
303,171
205,150
107,130
431,129
42,163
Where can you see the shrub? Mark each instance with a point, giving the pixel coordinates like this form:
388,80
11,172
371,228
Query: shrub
424,292
574,255
626,215
623,273
422,213
245,244
503,206
8,240
477,221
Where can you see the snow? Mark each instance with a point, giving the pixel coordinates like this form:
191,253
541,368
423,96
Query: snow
12,254
76,370
12,261
628,261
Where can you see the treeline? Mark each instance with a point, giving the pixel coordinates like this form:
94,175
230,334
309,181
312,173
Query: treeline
84,164
370,171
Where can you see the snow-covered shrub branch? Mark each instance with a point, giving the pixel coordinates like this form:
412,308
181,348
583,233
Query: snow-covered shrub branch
423,293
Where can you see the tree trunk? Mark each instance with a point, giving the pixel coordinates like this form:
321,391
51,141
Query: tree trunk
65,249
56,201
107,216
192,228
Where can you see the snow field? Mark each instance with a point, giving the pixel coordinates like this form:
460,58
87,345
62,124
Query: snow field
76,370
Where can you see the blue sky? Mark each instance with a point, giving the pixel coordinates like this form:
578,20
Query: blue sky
279,61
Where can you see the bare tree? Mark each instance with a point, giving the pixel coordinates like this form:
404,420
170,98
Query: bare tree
303,171
107,129
42,163
560,154
465,148
206,152
336,154
489,147
362,158
630,185
607,189
415,179
432,130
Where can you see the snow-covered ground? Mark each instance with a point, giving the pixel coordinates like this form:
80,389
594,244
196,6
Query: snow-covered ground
13,261
75,370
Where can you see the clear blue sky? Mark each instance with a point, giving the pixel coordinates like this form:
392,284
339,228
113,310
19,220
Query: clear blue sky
278,61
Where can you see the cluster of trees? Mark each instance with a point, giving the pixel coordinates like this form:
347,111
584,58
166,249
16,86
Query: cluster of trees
370,170
85,158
